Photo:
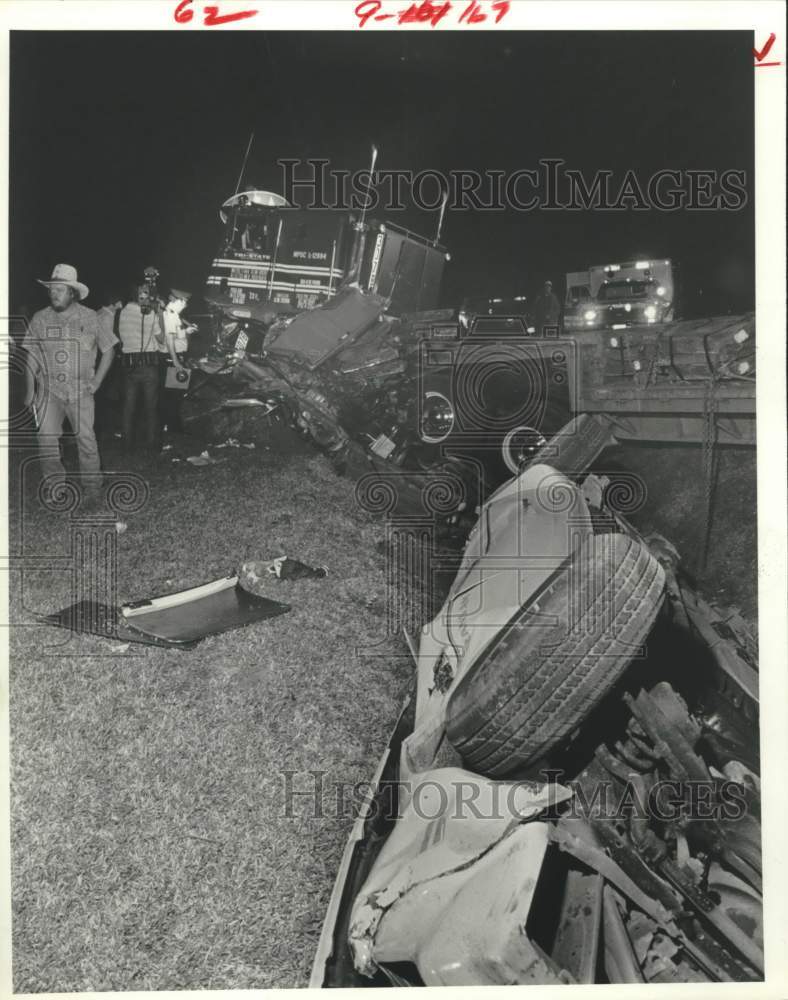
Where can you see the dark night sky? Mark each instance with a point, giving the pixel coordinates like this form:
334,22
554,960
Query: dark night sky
123,145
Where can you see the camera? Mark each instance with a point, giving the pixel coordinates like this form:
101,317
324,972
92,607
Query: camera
151,286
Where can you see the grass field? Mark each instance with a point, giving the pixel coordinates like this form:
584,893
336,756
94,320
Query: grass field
151,843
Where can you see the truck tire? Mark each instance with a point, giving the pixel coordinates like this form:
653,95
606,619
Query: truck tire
534,685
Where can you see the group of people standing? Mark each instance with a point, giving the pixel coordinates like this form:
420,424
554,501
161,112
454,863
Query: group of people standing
71,351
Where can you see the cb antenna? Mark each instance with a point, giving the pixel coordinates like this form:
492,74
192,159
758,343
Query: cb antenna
369,185
440,218
243,165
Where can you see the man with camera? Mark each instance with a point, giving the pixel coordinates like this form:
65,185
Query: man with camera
139,328
174,375
62,343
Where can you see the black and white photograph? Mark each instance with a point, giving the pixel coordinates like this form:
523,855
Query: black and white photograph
394,522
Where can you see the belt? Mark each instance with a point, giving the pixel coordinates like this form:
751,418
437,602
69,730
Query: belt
137,359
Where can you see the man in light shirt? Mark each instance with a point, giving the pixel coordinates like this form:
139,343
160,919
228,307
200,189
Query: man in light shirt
176,343
139,328
62,343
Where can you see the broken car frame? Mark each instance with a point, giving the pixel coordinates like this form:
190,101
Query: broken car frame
487,800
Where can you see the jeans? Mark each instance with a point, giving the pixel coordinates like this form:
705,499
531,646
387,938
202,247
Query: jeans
141,385
80,413
170,402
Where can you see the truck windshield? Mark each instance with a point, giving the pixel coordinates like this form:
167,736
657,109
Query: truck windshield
247,230
624,290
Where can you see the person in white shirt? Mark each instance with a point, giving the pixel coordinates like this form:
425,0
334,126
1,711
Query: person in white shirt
172,351
139,329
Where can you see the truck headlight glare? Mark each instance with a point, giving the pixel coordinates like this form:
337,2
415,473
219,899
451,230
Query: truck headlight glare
590,314
437,418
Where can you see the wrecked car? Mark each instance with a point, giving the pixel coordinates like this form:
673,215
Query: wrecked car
345,375
572,793
579,761
412,396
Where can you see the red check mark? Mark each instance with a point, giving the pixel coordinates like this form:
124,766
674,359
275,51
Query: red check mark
760,56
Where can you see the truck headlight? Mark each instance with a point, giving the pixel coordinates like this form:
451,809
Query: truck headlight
437,418
589,314
650,313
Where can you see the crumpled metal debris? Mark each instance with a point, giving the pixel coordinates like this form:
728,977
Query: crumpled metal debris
232,442
249,401
454,882
203,459
253,576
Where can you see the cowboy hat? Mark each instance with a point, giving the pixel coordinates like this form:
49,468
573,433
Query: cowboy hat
65,274
178,293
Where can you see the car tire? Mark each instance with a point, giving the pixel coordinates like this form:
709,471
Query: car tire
533,686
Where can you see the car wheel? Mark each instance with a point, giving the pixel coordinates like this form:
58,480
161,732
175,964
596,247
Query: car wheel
557,657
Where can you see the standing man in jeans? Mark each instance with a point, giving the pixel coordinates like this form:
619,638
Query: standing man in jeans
62,343
547,312
176,334
140,331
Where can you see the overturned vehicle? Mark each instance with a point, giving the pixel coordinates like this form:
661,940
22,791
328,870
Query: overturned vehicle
572,792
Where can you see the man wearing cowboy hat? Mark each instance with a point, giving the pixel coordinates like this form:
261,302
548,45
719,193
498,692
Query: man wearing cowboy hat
62,343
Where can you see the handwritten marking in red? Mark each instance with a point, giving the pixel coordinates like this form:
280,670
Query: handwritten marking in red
370,8
420,13
431,12
183,14
472,13
760,56
212,16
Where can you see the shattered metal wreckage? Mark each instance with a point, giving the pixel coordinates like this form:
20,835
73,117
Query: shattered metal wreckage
579,765
573,794
332,320
430,394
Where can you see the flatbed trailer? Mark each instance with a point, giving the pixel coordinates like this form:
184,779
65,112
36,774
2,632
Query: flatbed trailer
674,382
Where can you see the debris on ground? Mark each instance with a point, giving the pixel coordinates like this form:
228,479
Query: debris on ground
235,404
202,459
179,620
253,576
